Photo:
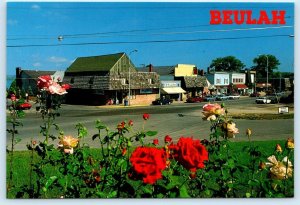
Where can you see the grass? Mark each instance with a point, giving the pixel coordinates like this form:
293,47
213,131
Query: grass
22,160
263,116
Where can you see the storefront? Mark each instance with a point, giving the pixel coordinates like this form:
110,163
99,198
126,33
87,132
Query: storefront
172,90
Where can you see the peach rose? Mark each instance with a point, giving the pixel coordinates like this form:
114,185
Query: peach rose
279,170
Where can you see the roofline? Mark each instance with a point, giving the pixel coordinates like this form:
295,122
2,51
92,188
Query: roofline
100,55
118,60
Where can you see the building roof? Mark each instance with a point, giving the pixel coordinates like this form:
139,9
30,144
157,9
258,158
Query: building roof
161,70
193,82
34,74
94,63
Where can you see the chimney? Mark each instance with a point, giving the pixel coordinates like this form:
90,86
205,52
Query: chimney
18,77
208,70
202,72
150,66
195,71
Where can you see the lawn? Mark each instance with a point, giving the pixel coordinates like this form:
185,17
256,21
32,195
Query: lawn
22,160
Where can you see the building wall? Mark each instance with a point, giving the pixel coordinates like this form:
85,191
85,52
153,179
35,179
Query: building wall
218,79
184,70
145,99
238,78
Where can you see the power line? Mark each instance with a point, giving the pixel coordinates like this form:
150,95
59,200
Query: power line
94,35
170,6
142,42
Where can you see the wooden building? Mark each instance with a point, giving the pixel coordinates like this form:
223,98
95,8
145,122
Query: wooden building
109,79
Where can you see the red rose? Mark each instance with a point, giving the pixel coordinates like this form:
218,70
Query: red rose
146,116
148,163
13,97
130,123
190,153
155,141
168,138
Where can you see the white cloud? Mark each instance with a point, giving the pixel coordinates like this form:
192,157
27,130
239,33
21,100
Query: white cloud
35,7
37,64
12,22
56,59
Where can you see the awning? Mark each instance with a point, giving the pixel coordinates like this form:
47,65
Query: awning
238,86
174,90
241,86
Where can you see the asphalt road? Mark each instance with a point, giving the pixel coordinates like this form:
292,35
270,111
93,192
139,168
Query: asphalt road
178,119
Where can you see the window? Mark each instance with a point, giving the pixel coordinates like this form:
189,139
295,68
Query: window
91,81
123,81
150,81
72,80
218,81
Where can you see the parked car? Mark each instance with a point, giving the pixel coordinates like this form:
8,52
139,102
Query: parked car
233,96
221,97
263,100
162,101
274,98
254,95
196,99
24,106
209,98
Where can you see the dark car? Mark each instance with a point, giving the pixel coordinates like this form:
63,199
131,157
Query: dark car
254,95
24,106
196,99
162,101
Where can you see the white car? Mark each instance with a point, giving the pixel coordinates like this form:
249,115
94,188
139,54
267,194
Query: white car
233,96
263,100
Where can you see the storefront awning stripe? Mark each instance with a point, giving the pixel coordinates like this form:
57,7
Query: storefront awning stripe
174,90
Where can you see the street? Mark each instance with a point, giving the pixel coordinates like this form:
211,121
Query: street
178,119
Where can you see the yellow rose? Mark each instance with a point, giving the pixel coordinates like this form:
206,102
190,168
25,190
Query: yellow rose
290,143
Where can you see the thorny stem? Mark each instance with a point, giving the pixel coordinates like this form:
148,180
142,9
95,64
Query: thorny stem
14,116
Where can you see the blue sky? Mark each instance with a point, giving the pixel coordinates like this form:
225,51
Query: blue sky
34,23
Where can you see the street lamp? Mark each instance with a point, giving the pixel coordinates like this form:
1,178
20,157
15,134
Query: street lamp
129,76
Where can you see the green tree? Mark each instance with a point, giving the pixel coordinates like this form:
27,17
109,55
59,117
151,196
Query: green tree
227,64
12,88
264,62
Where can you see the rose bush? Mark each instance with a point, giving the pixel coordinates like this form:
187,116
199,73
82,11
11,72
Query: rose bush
134,164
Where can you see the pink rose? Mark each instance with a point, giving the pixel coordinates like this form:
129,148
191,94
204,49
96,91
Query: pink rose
44,82
55,88
211,111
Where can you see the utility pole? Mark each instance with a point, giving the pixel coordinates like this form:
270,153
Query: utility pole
129,95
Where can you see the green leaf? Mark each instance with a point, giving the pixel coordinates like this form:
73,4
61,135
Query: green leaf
95,136
147,189
49,182
100,125
112,194
183,192
151,133
20,113
231,163
174,181
17,140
